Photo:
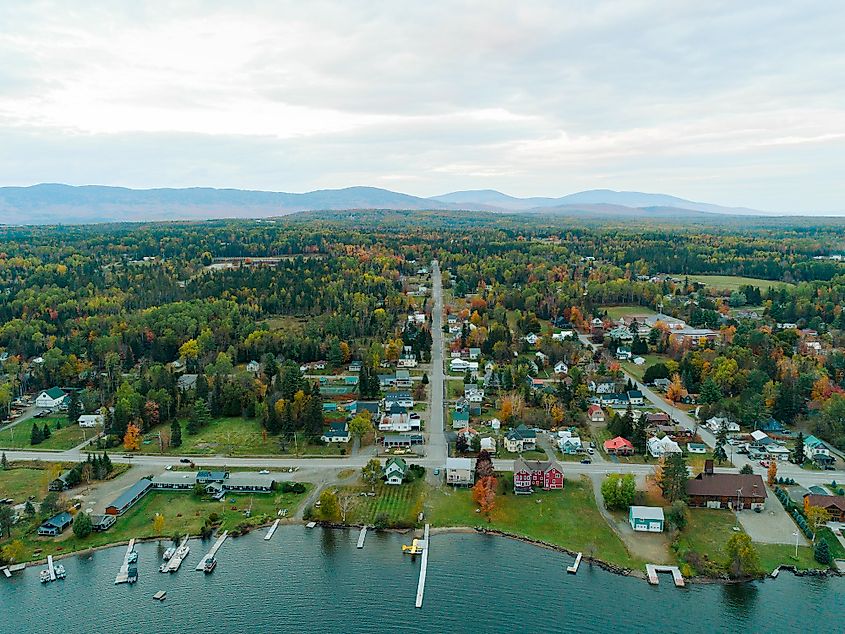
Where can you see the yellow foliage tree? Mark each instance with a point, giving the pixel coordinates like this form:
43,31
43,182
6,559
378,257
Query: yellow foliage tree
557,414
132,439
158,523
772,472
675,392
190,349
816,517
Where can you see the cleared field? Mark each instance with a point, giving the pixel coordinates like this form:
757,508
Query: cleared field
618,312
637,371
19,484
733,282
399,505
67,437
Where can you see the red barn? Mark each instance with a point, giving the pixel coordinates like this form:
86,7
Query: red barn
542,474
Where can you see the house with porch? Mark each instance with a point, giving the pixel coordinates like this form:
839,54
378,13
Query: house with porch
56,525
395,470
619,446
817,451
661,447
520,439
460,471
337,432
833,504
542,474
595,414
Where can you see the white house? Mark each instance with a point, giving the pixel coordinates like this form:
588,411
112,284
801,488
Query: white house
406,362
635,398
659,447
253,366
488,444
562,335
717,422
531,338
561,368
569,444
337,432
394,471
460,471
50,398
647,519
462,365
90,420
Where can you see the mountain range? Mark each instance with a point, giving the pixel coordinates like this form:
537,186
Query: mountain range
66,204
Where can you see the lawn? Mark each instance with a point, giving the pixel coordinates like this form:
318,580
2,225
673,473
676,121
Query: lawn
183,513
733,282
637,371
235,436
20,483
567,518
401,504
709,530
454,388
67,437
618,312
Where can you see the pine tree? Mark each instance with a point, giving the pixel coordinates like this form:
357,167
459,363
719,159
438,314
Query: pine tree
719,453
106,462
35,436
202,387
74,408
45,434
799,449
821,552
674,480
175,434
4,462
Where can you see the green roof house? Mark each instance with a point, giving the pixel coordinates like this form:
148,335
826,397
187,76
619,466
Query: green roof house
395,470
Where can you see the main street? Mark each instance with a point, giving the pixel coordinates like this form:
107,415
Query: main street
437,447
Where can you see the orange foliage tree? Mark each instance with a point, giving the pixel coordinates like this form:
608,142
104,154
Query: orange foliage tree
675,392
484,494
132,439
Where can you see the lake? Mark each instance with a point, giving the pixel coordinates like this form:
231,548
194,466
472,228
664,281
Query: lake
317,581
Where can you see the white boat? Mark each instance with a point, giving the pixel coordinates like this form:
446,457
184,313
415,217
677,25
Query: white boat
169,553
60,571
45,576
183,551
163,567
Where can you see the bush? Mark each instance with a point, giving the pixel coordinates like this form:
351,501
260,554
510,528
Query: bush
308,513
821,553
382,521
214,518
292,487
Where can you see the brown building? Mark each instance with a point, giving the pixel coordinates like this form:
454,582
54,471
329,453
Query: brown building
734,491
833,504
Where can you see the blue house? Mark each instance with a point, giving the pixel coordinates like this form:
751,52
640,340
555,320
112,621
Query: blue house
55,525
772,425
648,519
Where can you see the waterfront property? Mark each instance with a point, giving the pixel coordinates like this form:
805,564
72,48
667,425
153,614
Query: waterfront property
126,499
394,471
102,523
543,474
833,504
460,471
56,525
647,519
735,491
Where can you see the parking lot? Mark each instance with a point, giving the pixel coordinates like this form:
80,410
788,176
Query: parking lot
771,526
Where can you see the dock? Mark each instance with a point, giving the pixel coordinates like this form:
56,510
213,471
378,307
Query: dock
8,570
161,595
423,569
211,553
51,568
361,536
123,574
181,553
573,569
652,570
310,524
272,531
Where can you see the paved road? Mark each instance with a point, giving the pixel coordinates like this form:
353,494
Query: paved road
437,448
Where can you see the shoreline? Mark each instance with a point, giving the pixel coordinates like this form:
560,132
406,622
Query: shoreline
477,530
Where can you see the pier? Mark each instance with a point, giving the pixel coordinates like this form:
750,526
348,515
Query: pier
272,531
652,570
180,554
211,553
50,568
423,569
123,574
361,536
573,569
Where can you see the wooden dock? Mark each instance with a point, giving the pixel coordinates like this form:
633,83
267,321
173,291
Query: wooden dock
573,569
51,568
213,552
311,525
361,536
652,570
423,569
8,570
272,531
123,574
177,558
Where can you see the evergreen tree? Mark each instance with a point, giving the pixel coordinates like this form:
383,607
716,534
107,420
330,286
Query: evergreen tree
200,416
313,417
799,449
175,434
4,462
35,437
710,392
719,453
82,526
74,408
821,552
270,367
202,387
105,461
674,480
45,434
425,378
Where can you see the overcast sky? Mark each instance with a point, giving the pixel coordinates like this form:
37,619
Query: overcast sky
737,103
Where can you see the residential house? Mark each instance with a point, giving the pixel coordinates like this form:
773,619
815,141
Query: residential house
403,379
734,491
100,523
569,444
543,474
658,418
60,483
395,470
187,382
696,447
337,432
474,353
531,338
462,365
520,439
717,422
605,386
647,519
595,414
460,419
773,426
817,451
371,407
403,399
460,471
833,504
563,335
561,368
407,362
618,400
91,420
403,441
660,447
635,398
56,525
621,334
619,446
662,384
356,366
253,366
51,398
488,444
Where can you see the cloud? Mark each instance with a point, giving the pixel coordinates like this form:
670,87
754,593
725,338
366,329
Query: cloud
531,97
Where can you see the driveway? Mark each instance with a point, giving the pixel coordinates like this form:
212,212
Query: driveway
772,526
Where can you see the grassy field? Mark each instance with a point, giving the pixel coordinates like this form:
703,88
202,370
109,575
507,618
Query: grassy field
637,371
400,504
67,437
618,312
568,518
20,483
234,437
733,282
183,513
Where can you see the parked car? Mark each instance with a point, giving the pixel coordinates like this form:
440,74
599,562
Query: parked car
764,463
264,472
586,461
185,460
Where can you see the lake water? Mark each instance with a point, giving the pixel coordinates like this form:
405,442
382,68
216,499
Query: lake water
317,581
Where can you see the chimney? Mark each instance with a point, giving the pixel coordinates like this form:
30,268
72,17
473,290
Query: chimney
708,467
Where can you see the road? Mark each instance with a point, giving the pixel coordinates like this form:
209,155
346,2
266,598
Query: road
437,447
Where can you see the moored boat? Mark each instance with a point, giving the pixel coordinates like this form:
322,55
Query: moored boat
169,553
45,576
60,571
210,565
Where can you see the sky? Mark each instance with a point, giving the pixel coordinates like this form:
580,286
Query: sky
734,103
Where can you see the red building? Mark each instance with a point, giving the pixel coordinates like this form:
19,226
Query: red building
619,446
541,474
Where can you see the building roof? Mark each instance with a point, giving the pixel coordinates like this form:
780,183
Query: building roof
212,475
635,394
826,501
726,485
812,441
247,479
397,396
460,463
62,519
399,462
131,493
369,406
521,464
618,442
647,512
55,392
522,433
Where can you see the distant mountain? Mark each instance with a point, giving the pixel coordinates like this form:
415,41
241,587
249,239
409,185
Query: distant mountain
54,203
635,200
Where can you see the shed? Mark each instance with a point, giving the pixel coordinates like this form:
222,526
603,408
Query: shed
648,519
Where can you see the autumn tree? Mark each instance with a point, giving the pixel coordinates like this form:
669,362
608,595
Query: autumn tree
675,392
484,465
742,558
132,438
329,507
484,494
772,472
158,524
816,518
371,473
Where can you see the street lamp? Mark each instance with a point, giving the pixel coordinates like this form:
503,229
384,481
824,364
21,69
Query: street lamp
796,544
